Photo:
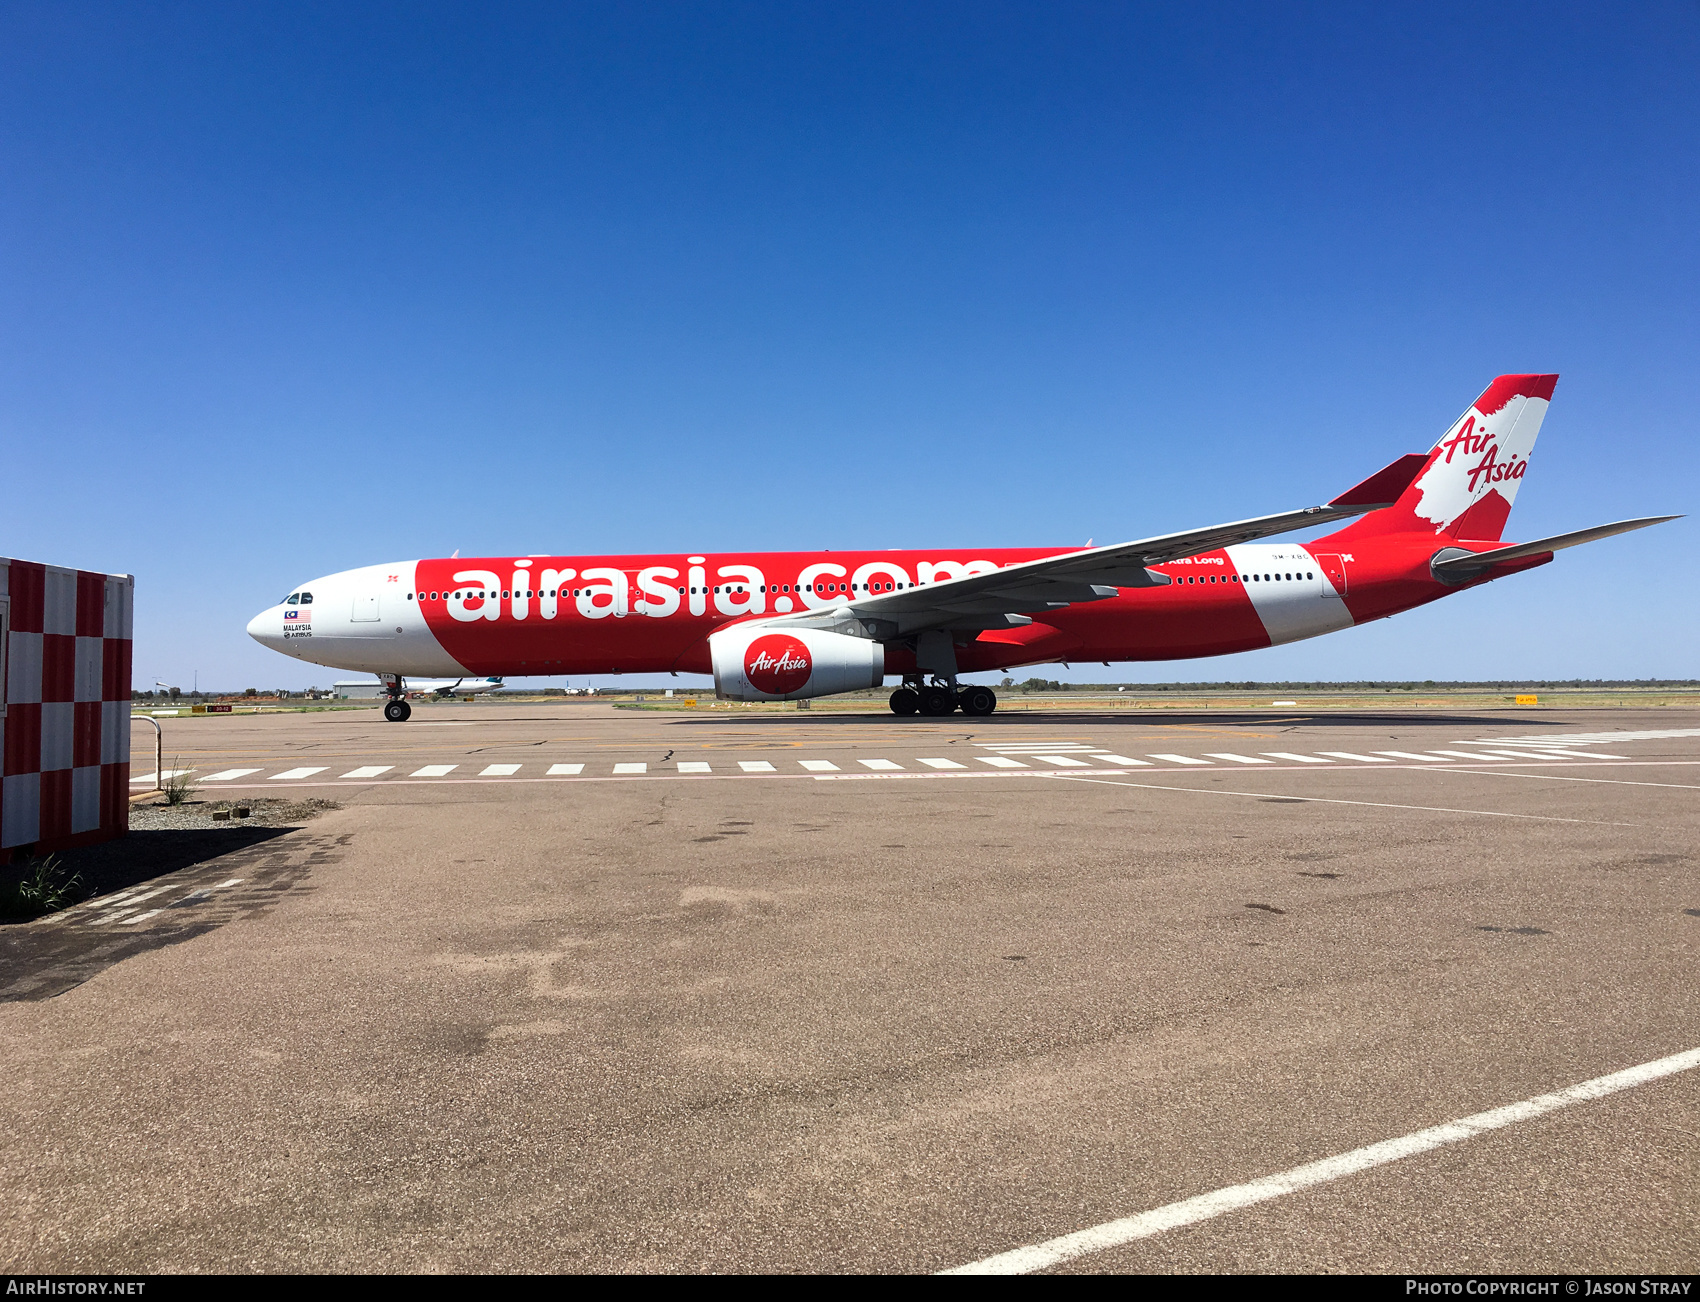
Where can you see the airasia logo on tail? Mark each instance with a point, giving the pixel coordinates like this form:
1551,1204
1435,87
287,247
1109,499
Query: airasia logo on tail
777,664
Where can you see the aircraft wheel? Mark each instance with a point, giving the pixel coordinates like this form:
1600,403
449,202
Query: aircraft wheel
398,712
977,700
905,701
935,701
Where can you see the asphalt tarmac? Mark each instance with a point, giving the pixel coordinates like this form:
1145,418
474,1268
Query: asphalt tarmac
795,1010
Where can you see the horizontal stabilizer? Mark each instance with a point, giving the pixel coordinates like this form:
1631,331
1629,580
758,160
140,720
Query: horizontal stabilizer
1385,487
1469,562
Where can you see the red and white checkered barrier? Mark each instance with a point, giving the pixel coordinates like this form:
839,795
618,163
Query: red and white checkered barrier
64,706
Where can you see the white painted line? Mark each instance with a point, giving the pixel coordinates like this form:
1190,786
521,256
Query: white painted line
1237,759
1361,759
167,775
434,771
1297,759
129,901
290,775
693,766
1180,759
1000,762
819,766
1485,756
1551,752
369,771
879,765
756,766
1205,1207
1411,755
1108,781
234,881
1587,738
631,768
140,917
1062,761
941,764
499,771
1104,758
565,770
1535,755
229,775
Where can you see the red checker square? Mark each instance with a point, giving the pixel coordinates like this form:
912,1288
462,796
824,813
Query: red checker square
85,734
58,667
55,804
114,670
91,604
23,739
28,584
115,798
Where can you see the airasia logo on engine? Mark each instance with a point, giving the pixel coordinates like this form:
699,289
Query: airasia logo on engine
777,664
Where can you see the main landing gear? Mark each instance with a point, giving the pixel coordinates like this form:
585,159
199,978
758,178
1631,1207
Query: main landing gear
940,698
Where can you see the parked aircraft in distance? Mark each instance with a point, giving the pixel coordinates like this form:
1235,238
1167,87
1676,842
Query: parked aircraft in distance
445,687
791,625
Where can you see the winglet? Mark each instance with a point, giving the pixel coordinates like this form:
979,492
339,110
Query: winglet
1385,487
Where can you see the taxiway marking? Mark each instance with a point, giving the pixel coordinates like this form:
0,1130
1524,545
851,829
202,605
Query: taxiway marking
1189,1211
1334,800
228,775
291,775
1180,759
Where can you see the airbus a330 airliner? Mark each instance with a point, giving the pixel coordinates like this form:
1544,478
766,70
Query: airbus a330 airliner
789,625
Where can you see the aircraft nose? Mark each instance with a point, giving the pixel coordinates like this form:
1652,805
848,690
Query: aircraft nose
263,627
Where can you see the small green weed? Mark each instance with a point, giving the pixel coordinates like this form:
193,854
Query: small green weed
44,887
178,787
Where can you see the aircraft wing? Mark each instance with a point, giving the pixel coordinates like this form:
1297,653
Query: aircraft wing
1008,597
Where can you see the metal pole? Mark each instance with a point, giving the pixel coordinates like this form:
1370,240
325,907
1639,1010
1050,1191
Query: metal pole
158,748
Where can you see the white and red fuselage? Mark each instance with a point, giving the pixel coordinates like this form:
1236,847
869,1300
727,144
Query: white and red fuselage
570,615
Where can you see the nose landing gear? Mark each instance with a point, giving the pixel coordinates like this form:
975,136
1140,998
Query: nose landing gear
940,698
398,711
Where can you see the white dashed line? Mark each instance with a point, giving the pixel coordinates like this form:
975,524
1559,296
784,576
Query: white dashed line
565,770
1549,754
1478,756
1180,759
941,764
434,771
1236,759
1412,755
229,775
1204,1207
166,776
756,766
693,766
1104,758
140,917
879,765
819,766
631,768
1297,759
1062,761
1000,762
234,881
369,771
499,771
1361,759
290,775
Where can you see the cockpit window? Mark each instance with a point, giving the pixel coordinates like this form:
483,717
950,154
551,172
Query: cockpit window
306,598
292,599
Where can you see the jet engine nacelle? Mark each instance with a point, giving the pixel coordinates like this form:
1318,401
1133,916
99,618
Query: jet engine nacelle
753,663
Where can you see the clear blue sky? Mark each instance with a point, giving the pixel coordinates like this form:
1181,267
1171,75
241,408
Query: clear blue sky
290,288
